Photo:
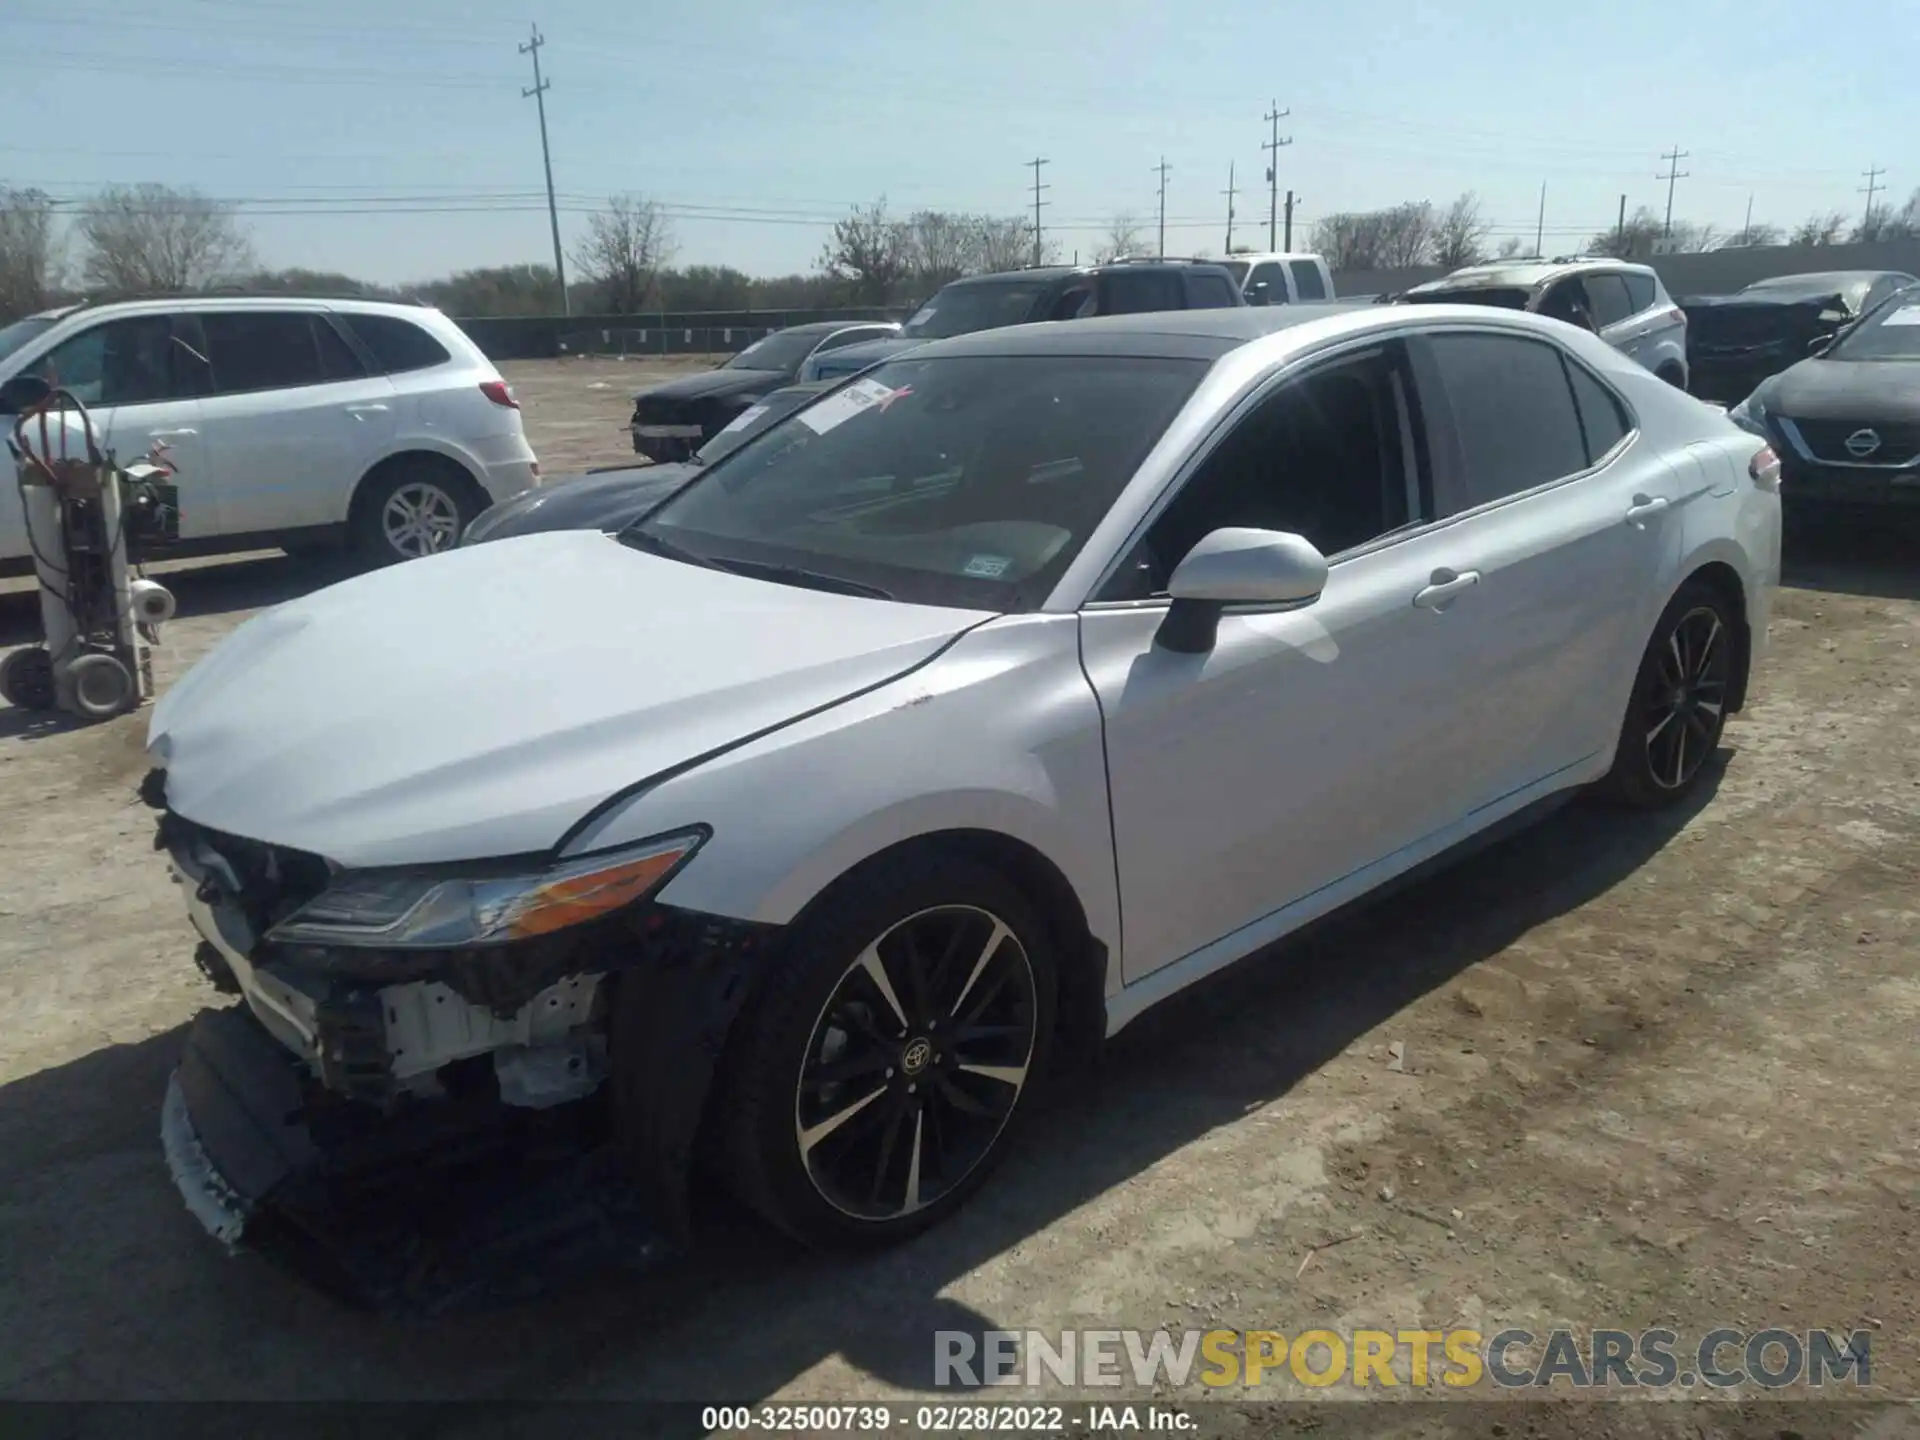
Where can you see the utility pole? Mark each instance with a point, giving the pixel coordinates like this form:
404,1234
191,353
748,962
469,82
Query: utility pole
1162,168
1288,243
1540,231
1230,192
1620,230
1673,158
1273,147
1746,230
1873,187
1035,164
539,94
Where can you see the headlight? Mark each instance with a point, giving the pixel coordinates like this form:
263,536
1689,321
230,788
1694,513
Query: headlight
417,910
1750,415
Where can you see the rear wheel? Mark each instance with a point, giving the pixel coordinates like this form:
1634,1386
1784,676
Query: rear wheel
1679,703
880,1073
410,509
1673,375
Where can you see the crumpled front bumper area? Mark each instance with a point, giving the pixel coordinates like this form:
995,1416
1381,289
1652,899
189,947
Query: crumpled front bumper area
432,1207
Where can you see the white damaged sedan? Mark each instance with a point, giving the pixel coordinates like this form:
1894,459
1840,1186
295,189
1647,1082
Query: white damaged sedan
976,707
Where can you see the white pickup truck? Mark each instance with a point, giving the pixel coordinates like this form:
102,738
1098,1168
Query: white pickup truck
1281,277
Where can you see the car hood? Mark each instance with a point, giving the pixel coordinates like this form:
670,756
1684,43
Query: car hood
716,385
479,703
1823,389
605,500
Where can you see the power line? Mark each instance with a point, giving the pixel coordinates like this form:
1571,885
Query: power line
539,94
1273,146
1673,158
1036,163
1162,168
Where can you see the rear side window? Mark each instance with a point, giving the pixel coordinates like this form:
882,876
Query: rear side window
1135,292
1306,279
1514,413
1603,420
396,344
1639,292
1209,292
267,350
1608,296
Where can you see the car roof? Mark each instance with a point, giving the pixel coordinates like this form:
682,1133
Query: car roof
1254,257
829,327
233,300
1824,277
1519,274
1162,334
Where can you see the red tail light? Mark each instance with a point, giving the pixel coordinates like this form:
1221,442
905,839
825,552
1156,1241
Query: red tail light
1764,469
500,393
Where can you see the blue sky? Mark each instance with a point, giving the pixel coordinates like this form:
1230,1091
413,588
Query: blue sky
758,121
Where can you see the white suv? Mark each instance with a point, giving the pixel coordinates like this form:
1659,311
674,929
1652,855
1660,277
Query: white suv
293,422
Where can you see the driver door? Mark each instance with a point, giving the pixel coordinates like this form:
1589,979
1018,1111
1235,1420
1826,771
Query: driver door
1306,745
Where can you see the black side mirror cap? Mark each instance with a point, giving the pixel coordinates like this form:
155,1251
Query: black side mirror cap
22,393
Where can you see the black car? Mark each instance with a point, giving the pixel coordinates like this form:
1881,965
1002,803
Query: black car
1047,292
1846,421
613,497
671,421
1736,341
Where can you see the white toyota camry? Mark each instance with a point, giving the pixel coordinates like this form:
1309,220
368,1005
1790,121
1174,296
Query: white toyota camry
989,700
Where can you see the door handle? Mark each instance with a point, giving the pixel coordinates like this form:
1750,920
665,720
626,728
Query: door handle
170,434
1447,586
369,409
1644,509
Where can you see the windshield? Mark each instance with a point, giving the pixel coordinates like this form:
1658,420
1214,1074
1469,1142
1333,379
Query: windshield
1236,268
1891,333
755,418
968,481
964,308
1505,297
1812,287
13,336
781,352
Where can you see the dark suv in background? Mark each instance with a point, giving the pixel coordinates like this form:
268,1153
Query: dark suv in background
1052,292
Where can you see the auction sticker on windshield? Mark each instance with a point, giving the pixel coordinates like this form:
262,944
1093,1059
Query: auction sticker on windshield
1905,315
745,418
843,405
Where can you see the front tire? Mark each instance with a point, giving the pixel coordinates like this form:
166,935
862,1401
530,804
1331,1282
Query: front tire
1679,704
878,1076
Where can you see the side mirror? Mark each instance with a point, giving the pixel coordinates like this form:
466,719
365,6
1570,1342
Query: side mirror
1820,344
1270,569
22,393
1258,295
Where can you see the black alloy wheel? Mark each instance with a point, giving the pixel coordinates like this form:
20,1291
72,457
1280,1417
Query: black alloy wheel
1680,696
916,1062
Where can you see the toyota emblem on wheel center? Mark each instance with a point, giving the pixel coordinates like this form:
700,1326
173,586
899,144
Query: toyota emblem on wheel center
1862,443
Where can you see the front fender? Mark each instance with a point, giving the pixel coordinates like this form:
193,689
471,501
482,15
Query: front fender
1000,734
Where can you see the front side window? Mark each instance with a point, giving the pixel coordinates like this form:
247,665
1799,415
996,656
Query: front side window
1513,410
1269,281
1141,292
1322,457
1568,301
252,350
970,481
1891,333
122,362
1306,280
1209,292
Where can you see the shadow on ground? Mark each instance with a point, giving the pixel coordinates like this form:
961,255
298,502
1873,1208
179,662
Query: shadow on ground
126,1297
1872,554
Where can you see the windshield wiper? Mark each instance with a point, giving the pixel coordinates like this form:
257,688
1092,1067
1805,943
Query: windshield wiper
812,579
652,544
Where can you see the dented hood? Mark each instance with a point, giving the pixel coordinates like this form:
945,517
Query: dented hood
479,703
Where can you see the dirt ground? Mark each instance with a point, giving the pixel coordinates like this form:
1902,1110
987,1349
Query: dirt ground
1653,1072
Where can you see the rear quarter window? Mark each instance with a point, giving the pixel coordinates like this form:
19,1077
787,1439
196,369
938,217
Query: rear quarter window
395,344
1639,291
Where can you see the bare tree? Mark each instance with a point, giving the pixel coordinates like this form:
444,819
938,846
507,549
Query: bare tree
1509,247
29,252
1883,222
1460,236
1406,234
1397,238
1751,237
1125,236
868,250
1819,230
940,247
152,238
622,253
1003,243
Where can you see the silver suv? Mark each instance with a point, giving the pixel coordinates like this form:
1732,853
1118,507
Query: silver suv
1624,304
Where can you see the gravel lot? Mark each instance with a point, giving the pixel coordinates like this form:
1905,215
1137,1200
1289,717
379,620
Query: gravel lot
1655,1071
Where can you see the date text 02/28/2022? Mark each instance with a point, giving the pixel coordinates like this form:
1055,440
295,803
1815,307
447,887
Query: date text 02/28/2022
941,1419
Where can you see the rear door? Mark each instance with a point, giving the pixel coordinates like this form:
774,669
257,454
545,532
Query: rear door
1569,524
294,416
1309,279
140,387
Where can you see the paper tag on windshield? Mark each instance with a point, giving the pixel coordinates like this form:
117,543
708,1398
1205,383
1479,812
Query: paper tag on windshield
843,405
921,316
987,567
745,418
1905,315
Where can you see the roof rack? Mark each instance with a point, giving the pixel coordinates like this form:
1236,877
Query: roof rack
1158,260
235,292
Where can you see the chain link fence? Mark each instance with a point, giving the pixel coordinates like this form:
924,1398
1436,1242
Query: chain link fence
544,337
